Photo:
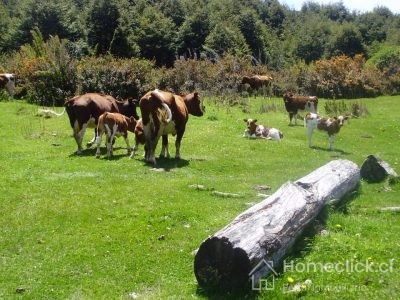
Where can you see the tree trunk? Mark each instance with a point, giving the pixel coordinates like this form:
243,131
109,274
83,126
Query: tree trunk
374,169
265,232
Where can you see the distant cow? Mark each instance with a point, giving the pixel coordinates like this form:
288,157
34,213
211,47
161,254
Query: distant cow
165,113
7,82
114,125
294,103
260,131
329,125
257,81
84,111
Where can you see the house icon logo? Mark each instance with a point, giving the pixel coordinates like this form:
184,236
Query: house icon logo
260,270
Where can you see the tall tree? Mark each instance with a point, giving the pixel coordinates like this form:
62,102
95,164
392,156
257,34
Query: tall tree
346,40
102,21
156,37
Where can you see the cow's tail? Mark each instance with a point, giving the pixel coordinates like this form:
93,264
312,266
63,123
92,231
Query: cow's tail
48,113
156,94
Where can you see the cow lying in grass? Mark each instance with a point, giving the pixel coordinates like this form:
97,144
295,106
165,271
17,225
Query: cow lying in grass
260,131
295,103
114,125
329,125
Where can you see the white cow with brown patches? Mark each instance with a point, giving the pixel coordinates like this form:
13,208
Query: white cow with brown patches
329,125
114,125
254,130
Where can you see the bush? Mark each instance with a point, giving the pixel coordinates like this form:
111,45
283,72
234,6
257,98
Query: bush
121,78
46,73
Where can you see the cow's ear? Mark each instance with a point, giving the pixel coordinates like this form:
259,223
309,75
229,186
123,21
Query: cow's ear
255,120
245,120
196,94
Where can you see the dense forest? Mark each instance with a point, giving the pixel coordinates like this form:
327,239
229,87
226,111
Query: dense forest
59,48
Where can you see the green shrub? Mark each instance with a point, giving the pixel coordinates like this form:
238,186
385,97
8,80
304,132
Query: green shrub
46,72
121,78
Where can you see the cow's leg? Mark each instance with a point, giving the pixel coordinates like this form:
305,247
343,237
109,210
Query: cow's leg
91,142
135,148
179,135
290,118
128,147
331,137
310,130
98,142
164,148
150,143
79,132
110,137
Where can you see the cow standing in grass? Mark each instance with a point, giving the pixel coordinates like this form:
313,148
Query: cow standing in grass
84,111
330,125
295,103
165,113
114,125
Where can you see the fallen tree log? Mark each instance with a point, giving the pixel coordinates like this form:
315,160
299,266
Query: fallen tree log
233,256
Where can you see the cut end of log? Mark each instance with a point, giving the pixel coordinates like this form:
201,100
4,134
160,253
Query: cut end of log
219,265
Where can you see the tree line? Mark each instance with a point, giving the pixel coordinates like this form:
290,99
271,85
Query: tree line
270,36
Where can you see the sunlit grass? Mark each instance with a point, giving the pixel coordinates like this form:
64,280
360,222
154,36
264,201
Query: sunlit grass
86,228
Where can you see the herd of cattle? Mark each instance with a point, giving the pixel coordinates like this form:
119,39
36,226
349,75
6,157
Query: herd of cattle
164,113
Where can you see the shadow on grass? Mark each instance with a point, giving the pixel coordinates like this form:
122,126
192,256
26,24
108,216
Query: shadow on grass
167,164
335,152
301,248
103,153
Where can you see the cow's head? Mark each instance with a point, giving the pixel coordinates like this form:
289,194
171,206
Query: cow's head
194,105
128,108
245,79
287,97
139,132
341,119
251,125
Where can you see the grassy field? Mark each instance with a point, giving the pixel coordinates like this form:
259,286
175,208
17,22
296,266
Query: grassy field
77,227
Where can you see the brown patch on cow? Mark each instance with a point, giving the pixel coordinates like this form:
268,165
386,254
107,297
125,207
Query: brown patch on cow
257,81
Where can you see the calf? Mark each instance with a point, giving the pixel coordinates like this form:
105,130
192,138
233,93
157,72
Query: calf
84,111
114,125
330,125
260,131
294,103
7,82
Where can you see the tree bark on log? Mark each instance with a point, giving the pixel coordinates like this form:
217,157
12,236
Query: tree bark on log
374,169
265,232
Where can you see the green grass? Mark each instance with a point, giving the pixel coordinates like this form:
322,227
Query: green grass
77,227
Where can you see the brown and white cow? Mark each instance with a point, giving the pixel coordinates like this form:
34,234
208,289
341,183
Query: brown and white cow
84,111
257,81
156,124
295,103
330,125
7,82
254,130
114,125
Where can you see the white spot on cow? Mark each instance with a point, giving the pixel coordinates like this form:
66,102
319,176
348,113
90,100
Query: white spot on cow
328,122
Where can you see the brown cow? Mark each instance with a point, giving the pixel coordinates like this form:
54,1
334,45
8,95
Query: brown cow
329,125
294,103
114,125
7,81
178,108
257,81
84,111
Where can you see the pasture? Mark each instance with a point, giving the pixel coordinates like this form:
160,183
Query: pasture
77,227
